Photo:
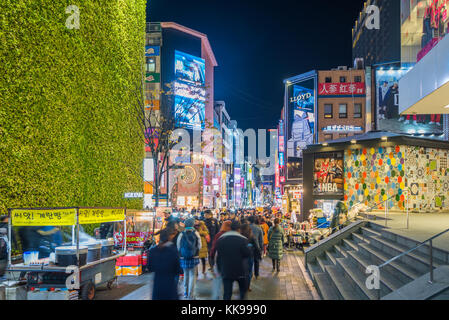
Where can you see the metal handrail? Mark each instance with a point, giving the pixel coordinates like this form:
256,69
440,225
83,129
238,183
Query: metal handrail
430,240
369,209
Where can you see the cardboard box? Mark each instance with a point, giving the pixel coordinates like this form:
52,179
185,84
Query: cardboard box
118,270
131,270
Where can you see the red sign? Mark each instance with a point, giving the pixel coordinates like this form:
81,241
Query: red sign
333,89
133,239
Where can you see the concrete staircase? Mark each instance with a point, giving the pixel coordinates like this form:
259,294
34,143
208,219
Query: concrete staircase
339,267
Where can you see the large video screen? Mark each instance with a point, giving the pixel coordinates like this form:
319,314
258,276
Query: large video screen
328,174
190,69
301,117
387,97
190,103
189,91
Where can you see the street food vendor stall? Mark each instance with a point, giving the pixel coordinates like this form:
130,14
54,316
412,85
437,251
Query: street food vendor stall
71,270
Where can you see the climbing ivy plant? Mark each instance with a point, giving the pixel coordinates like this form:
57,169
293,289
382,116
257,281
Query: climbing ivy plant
67,136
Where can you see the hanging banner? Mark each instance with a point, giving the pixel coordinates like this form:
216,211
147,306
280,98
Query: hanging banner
98,215
43,217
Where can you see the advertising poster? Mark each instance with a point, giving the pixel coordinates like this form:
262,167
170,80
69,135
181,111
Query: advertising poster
387,103
328,174
301,117
189,91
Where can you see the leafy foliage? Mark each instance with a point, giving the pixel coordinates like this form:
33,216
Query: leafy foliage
65,127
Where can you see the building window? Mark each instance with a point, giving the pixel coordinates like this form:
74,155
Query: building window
357,79
343,111
328,80
357,110
328,112
342,79
328,137
151,65
343,135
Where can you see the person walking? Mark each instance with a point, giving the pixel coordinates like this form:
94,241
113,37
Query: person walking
201,228
254,248
164,262
258,236
189,245
217,286
264,226
213,227
276,244
232,252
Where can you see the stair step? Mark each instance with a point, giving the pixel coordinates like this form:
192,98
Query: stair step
415,255
371,232
401,267
351,244
391,282
358,277
332,256
327,287
361,238
341,251
322,261
314,268
343,285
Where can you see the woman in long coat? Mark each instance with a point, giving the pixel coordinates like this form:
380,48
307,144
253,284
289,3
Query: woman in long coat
276,244
204,234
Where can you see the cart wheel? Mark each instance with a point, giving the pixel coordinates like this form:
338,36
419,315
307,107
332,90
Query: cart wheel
110,283
88,291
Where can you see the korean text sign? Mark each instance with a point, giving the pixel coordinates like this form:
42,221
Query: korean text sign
43,217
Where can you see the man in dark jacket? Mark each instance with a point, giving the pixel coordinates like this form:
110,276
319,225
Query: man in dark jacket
232,255
212,226
258,235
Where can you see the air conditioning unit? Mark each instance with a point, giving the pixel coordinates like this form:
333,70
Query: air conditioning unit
342,68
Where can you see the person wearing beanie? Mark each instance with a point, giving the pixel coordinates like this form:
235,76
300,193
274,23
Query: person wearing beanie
189,245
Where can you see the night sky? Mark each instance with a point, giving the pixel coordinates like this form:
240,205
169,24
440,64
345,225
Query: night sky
258,44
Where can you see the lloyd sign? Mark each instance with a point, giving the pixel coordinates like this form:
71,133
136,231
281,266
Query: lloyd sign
301,97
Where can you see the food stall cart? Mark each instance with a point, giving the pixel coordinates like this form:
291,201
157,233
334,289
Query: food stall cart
72,271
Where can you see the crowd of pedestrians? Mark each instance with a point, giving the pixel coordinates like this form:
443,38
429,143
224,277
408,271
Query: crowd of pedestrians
224,250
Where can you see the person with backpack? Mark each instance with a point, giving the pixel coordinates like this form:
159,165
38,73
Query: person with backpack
189,245
258,236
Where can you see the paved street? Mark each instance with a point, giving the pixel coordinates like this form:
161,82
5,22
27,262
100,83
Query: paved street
289,284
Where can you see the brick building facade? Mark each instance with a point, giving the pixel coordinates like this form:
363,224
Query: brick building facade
341,104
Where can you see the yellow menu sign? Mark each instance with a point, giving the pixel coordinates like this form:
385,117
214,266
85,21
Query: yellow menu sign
43,217
98,215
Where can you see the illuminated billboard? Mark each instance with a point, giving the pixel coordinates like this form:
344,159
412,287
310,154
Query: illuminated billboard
387,107
190,69
301,117
424,24
328,174
189,91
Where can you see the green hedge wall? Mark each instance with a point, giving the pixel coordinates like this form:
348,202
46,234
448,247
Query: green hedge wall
67,135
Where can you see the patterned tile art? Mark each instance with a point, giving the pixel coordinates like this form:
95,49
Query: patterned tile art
373,175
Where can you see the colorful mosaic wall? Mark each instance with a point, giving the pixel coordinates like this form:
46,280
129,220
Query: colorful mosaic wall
375,174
